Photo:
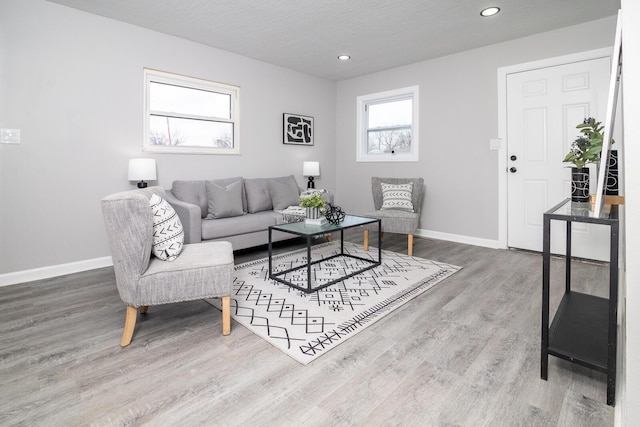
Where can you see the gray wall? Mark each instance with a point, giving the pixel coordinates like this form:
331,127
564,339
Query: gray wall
458,117
72,82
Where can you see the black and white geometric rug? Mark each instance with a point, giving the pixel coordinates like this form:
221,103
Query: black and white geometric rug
306,326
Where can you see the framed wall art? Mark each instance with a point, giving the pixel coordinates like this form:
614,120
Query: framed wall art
297,129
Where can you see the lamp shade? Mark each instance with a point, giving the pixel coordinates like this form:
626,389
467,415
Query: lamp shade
311,169
142,169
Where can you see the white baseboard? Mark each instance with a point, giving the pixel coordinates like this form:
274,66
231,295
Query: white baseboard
53,271
90,264
487,243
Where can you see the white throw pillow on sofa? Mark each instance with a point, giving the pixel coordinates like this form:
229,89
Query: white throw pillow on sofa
168,234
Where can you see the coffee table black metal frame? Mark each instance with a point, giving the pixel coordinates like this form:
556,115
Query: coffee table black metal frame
311,231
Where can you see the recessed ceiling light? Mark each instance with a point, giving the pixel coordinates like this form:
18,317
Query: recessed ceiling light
344,57
490,11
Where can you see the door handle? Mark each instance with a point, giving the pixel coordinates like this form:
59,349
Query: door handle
513,169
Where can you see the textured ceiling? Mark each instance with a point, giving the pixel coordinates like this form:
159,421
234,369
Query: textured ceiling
307,36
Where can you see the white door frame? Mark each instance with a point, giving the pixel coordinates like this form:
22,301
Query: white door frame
503,72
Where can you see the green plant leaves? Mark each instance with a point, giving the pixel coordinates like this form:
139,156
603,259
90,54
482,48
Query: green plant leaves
313,201
587,147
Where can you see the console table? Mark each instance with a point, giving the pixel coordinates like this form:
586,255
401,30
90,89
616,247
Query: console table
584,328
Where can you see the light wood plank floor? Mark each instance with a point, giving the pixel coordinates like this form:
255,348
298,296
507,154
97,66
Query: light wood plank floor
465,353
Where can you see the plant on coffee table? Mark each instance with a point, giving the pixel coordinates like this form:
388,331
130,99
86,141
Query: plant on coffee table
312,204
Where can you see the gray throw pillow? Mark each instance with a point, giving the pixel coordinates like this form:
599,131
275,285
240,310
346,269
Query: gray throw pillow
258,197
284,192
224,201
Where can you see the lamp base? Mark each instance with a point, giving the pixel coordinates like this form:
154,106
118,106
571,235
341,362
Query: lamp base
310,183
142,184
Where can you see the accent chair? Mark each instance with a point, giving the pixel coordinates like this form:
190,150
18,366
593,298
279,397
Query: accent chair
396,218
201,270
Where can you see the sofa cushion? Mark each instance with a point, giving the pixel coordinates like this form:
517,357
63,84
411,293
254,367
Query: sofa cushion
224,201
168,235
193,192
224,227
284,192
258,196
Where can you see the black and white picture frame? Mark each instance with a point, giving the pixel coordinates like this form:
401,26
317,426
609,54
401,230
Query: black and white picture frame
297,129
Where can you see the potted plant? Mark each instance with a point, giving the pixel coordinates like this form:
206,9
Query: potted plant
312,204
585,150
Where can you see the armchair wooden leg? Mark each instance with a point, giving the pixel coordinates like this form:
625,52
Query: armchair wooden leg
366,239
410,245
226,315
129,325
144,309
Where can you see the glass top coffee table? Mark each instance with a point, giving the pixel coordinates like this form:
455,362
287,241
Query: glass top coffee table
310,231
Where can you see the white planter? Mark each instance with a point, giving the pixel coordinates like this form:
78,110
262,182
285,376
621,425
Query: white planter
313,213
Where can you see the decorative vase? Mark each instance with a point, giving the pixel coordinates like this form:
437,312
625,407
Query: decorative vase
580,185
313,213
611,187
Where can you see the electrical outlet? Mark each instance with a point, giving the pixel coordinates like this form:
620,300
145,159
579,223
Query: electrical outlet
10,136
494,144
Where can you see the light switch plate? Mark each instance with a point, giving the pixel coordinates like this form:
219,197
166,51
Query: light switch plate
10,136
494,144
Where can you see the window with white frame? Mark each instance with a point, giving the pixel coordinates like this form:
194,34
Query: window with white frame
388,126
190,115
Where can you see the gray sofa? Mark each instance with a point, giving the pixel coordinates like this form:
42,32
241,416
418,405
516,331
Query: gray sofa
234,209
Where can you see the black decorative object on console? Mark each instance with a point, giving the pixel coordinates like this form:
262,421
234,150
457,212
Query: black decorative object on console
580,184
611,186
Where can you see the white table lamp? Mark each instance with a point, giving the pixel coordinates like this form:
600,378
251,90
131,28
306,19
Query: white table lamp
311,169
141,169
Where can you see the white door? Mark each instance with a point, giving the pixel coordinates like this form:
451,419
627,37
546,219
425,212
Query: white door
543,108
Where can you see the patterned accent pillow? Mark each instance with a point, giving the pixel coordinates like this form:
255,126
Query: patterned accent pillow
168,234
397,196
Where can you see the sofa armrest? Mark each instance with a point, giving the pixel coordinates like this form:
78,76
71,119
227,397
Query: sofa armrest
190,217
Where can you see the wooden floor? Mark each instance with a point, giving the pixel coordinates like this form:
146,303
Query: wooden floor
465,353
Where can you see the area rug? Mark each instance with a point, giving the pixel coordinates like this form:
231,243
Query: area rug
306,326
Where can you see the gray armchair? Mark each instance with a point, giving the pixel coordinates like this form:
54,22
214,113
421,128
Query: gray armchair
202,270
394,220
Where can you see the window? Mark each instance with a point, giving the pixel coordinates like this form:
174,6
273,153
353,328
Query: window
189,115
388,126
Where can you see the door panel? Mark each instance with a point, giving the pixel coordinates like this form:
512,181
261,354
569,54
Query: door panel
543,108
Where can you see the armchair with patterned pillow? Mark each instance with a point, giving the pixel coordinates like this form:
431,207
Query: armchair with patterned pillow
397,203
152,266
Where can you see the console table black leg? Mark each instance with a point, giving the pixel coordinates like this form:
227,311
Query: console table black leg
612,341
546,264
567,267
